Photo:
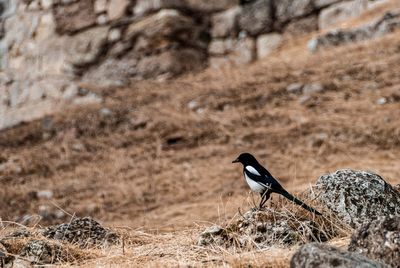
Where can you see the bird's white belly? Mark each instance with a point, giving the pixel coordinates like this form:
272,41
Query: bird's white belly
254,186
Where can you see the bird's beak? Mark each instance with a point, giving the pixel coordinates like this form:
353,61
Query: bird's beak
236,160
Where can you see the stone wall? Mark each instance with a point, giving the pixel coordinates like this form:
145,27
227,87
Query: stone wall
50,49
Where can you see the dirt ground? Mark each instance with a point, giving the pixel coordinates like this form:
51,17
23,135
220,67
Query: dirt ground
155,158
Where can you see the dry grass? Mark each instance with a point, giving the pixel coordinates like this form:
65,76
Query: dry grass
162,170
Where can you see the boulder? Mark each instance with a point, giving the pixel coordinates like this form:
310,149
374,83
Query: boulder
267,43
357,196
340,12
379,27
225,24
84,232
318,255
379,240
236,52
268,227
87,48
302,25
257,17
287,10
41,252
74,16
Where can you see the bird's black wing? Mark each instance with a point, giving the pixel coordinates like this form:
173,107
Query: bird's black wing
260,179
269,179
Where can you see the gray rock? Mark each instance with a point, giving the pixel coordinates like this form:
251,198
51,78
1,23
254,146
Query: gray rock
218,47
225,23
41,252
302,25
379,240
340,12
338,37
256,17
287,10
312,88
317,255
235,52
357,196
74,17
295,88
214,235
117,8
143,7
45,194
87,48
386,24
265,228
382,101
267,43
209,6
244,51
84,232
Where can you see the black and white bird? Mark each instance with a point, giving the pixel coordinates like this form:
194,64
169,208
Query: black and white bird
261,181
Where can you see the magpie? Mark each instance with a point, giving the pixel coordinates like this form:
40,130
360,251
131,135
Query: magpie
261,181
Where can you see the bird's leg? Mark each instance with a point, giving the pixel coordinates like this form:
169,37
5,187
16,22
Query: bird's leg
265,197
261,201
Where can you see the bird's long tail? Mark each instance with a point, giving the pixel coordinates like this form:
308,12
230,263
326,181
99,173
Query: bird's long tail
298,202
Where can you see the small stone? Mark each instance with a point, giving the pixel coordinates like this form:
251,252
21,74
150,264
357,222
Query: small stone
295,88
382,101
312,45
114,35
102,19
192,105
312,88
45,194
78,147
105,112
59,214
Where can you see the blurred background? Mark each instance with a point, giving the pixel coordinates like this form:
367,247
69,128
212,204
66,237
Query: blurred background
132,111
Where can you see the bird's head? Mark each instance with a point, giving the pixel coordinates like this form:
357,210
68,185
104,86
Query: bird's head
245,159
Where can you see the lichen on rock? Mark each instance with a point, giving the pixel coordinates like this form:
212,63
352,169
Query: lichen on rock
379,240
357,196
